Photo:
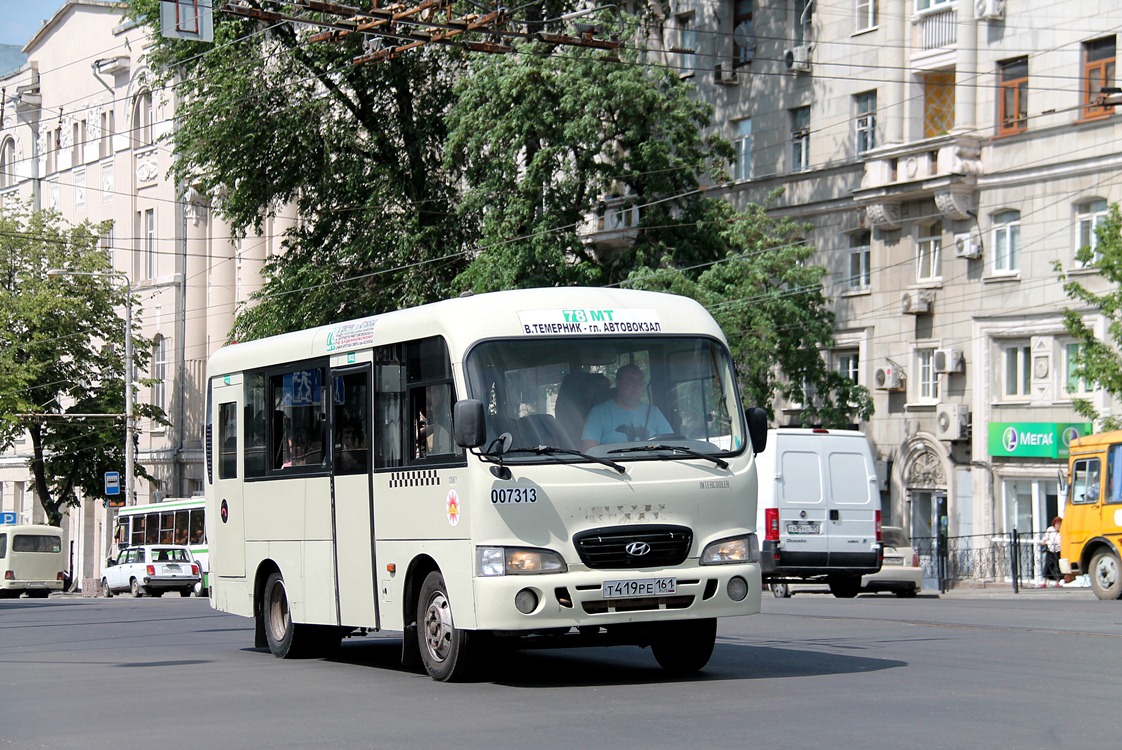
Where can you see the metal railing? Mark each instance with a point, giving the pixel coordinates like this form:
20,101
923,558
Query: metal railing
1013,558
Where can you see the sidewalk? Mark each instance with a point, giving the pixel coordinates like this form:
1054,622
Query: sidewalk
1004,590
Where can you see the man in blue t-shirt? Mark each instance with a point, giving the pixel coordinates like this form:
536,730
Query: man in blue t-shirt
625,418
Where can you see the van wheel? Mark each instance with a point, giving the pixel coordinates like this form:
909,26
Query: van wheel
1106,576
134,587
105,590
186,593
682,648
446,650
780,590
845,587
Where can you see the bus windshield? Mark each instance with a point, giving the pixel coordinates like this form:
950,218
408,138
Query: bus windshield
615,397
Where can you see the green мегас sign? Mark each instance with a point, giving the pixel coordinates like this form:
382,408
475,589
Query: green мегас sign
1034,439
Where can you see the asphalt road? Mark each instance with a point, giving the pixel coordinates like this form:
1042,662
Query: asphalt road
963,671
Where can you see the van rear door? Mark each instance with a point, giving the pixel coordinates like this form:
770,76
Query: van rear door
800,498
851,503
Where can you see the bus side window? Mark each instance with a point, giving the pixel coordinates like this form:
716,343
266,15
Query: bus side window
1085,481
228,434
1114,474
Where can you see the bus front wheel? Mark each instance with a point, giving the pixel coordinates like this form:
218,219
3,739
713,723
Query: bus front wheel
682,648
445,649
1106,575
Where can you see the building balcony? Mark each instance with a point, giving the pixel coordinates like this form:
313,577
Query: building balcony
936,29
614,226
944,168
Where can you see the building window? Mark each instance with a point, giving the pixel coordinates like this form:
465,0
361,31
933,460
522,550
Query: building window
1012,100
7,162
144,260
849,365
866,122
938,103
922,5
1007,242
106,245
743,33
929,254
800,139
1088,216
142,119
859,274
866,15
108,127
801,25
685,46
927,380
1098,72
1073,384
1017,367
743,144
159,371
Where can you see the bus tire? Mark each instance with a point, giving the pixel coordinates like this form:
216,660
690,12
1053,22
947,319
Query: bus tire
135,588
1106,575
683,648
286,639
845,587
445,649
105,590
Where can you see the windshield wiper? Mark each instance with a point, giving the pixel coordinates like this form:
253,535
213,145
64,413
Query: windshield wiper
548,450
721,463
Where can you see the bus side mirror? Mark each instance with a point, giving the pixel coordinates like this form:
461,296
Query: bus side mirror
469,423
757,428
1061,481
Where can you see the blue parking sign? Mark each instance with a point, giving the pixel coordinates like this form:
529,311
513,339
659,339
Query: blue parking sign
112,483
7,518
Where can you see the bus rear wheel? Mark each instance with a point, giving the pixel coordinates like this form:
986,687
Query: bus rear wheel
1106,575
682,648
445,650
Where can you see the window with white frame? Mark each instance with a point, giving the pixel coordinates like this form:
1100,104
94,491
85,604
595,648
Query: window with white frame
1073,384
866,15
686,43
922,5
108,128
106,245
144,259
859,253
866,123
927,380
7,162
159,371
800,139
848,364
929,253
1007,242
743,145
142,117
1016,369
1088,216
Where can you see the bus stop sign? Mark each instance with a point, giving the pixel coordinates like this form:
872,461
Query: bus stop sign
112,483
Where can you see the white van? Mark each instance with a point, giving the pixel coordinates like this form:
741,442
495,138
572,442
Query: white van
32,560
819,509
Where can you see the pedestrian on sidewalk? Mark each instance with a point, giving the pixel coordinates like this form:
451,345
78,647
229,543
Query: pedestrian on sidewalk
1051,544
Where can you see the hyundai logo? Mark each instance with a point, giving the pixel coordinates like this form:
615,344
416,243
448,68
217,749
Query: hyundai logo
637,549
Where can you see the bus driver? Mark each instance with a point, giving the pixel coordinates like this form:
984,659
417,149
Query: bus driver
625,418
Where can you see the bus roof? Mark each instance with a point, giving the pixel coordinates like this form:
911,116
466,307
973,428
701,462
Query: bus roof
1096,440
549,312
176,503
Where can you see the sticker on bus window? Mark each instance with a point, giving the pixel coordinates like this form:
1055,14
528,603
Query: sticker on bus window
589,321
452,507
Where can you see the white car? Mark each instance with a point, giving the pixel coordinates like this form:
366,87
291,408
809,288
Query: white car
900,573
152,569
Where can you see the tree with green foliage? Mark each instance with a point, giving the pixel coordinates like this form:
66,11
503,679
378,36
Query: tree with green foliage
62,357
1099,361
272,122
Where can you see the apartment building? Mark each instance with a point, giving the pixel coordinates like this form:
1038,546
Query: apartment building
81,133
946,154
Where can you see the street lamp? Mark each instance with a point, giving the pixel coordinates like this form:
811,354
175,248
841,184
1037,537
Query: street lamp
130,428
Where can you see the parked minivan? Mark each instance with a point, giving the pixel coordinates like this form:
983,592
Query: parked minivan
32,560
819,509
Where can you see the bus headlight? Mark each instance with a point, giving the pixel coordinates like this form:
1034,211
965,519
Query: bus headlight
513,561
737,549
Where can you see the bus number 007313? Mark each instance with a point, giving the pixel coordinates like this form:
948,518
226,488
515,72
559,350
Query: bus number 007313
514,495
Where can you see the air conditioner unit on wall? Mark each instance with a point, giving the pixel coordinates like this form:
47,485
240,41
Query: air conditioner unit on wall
949,360
889,378
965,246
724,74
915,302
952,421
797,58
989,10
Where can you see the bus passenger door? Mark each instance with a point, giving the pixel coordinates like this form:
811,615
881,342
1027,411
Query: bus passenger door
352,496
225,514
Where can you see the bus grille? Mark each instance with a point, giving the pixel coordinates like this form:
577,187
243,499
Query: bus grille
607,548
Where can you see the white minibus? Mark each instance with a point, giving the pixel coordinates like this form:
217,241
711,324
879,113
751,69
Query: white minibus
534,468
32,560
